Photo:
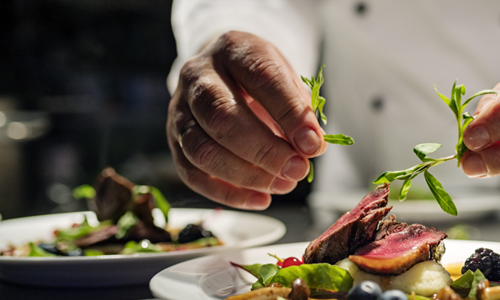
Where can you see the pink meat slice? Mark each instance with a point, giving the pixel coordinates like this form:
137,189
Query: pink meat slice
399,250
352,230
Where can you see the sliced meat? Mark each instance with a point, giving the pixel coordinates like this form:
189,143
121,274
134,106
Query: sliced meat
352,230
400,248
101,236
143,208
141,231
113,195
389,226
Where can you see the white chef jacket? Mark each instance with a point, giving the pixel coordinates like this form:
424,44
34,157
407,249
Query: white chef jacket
382,59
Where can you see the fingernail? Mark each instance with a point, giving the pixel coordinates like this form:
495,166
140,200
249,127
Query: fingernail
257,201
477,138
474,166
295,168
307,140
281,186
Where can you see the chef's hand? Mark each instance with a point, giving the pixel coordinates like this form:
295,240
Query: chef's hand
240,125
482,137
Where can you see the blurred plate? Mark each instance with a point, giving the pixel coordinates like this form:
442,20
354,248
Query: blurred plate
212,277
469,207
235,229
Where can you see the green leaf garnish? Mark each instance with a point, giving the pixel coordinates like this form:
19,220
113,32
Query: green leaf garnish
160,200
84,191
124,224
464,282
310,175
144,246
321,276
317,104
478,277
79,231
422,150
339,139
442,197
36,251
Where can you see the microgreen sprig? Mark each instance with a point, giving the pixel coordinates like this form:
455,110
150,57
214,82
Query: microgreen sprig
422,150
317,103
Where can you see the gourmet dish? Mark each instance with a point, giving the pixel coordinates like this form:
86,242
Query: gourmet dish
367,255
126,225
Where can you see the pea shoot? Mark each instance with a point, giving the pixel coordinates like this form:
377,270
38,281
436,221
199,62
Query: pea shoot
317,103
422,150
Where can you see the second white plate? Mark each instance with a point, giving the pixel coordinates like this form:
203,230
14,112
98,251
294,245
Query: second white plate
236,229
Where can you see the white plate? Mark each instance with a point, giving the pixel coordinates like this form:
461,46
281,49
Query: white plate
236,229
213,278
469,207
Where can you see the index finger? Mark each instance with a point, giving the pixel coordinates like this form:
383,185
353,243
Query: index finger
268,78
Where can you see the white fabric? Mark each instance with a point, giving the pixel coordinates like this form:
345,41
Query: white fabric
394,51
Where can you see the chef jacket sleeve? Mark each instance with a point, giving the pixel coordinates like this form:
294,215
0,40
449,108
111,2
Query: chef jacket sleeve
293,26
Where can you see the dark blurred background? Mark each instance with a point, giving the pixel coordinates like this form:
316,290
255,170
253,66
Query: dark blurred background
82,87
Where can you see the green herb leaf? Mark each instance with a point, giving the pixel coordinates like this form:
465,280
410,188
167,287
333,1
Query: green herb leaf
267,272
321,276
85,191
252,269
464,282
339,139
73,233
443,97
321,104
421,150
480,93
125,222
310,175
36,251
404,190
144,246
478,277
317,104
92,252
161,202
442,197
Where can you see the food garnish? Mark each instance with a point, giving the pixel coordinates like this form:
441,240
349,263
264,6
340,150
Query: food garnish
126,224
317,103
422,150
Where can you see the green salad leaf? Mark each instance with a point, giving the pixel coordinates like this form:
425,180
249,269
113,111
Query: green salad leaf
144,246
84,191
323,276
160,200
125,222
317,103
422,150
36,251
73,233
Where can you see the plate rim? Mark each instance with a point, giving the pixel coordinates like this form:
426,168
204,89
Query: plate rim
278,231
246,252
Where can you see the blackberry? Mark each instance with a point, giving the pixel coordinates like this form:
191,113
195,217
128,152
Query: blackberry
487,261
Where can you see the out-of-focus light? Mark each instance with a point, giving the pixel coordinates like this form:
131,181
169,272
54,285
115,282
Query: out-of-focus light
3,119
17,131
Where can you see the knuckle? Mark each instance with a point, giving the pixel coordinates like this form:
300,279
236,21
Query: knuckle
265,155
189,72
293,109
204,153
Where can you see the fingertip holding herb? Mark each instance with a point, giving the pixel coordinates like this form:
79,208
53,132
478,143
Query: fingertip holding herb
317,103
421,150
